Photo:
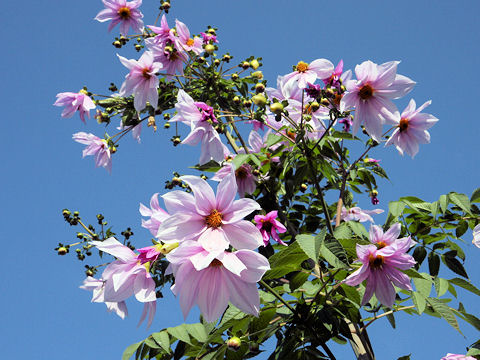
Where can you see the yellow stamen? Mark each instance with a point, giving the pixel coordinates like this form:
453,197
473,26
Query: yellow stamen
403,125
214,220
376,262
146,73
190,42
124,12
302,66
366,92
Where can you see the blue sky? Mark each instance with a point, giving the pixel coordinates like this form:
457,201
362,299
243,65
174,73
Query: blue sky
54,46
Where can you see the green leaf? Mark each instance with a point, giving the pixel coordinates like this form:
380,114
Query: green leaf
240,159
441,286
285,261
342,231
416,203
461,200
445,312
129,351
351,293
443,202
358,229
272,139
396,208
180,333
473,352
461,229
255,160
455,265
406,357
197,331
311,245
333,252
433,263
151,343
423,286
465,284
297,280
475,198
419,254
163,340
419,301
232,313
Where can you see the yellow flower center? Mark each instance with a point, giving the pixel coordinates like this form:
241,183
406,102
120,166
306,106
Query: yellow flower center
190,42
376,262
381,245
403,125
366,92
214,220
302,66
124,12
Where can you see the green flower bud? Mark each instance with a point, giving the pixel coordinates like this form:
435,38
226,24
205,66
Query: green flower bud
259,88
236,100
62,250
166,125
216,62
247,103
234,76
259,100
117,44
314,106
276,108
226,58
258,75
245,65
234,343
254,64
325,102
209,49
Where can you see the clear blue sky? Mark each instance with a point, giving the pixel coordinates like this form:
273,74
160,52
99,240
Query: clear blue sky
55,46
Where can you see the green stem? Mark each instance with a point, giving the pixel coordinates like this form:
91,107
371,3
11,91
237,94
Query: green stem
277,295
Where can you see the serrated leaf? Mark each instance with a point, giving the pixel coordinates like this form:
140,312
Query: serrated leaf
441,286
285,261
197,331
358,229
445,312
419,301
475,198
240,159
351,293
465,285
473,352
129,351
455,265
180,333
416,203
396,208
423,286
461,229
163,340
342,231
443,202
461,200
232,313
332,252
272,139
311,245
151,343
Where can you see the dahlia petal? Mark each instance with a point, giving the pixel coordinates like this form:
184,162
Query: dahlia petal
214,240
213,295
239,209
144,288
384,290
243,295
204,196
113,247
243,235
179,201
256,265
180,227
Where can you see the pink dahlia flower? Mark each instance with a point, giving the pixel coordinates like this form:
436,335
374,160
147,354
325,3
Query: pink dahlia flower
96,147
98,288
457,357
381,265
127,276
155,212
246,181
307,73
171,58
216,221
211,280
122,12
372,93
358,214
184,41
142,80
270,226
199,116
162,31
74,102
476,236
411,129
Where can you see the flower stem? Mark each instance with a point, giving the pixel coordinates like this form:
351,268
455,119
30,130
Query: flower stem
277,295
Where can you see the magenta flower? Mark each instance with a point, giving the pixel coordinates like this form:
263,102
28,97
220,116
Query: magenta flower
155,212
334,78
371,95
347,123
381,265
411,129
142,80
127,276
199,116
307,73
75,102
208,38
98,296
184,41
211,280
122,12
358,214
476,236
457,357
246,181
270,226
96,147
215,221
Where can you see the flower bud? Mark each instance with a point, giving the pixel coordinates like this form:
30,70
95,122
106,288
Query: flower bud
325,102
166,248
165,6
236,100
89,272
307,117
212,31
176,140
117,44
62,250
66,212
258,75
314,106
226,58
259,100
234,76
209,49
303,187
276,108
247,103
216,62
201,60
254,64
234,343
259,88
166,125
329,92
245,65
